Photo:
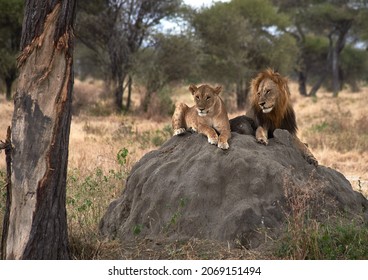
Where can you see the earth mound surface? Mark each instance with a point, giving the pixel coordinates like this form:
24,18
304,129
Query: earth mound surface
189,188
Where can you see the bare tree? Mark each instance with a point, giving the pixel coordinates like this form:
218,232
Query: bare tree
35,224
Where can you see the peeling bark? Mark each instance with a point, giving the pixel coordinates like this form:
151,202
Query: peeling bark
37,226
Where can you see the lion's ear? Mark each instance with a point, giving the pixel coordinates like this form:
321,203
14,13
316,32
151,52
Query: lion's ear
218,90
193,89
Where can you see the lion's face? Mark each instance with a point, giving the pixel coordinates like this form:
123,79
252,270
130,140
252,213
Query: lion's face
205,98
268,93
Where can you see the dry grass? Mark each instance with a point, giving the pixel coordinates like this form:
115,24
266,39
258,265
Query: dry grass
336,130
192,249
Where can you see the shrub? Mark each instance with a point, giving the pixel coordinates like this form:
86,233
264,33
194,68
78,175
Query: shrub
88,196
310,234
332,241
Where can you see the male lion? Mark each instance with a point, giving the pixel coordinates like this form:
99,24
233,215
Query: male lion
270,108
208,116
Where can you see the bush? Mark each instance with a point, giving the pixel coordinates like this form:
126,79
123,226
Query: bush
160,104
310,234
88,196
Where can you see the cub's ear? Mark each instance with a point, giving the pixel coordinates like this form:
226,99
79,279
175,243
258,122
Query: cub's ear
193,89
218,90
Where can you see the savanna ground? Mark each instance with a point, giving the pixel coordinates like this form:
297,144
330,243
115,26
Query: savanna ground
104,146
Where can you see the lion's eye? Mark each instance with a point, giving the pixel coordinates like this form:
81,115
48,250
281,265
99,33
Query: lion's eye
268,91
197,97
208,97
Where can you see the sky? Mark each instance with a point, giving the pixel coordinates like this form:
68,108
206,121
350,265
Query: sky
174,27
200,3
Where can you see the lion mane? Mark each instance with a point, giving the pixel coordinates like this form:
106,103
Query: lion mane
283,115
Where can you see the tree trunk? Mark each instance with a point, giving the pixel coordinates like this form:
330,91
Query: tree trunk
301,70
302,81
119,92
335,72
129,93
9,82
339,46
240,95
37,227
8,89
317,85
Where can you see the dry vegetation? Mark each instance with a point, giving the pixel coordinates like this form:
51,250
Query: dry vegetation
104,146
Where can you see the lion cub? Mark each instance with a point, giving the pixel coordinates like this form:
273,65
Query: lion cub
208,116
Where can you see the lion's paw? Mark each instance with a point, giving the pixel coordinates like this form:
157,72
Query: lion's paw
212,141
223,145
263,141
179,131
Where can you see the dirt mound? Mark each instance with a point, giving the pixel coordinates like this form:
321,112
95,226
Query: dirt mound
189,188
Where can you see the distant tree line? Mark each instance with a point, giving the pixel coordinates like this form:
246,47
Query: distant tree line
318,43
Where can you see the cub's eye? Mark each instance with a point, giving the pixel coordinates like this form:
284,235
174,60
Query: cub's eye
197,97
208,97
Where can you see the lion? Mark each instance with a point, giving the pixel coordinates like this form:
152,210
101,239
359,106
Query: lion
208,116
270,108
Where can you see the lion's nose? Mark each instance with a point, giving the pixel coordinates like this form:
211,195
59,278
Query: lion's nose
262,104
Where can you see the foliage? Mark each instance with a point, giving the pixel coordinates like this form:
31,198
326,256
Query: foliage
312,234
354,65
88,196
332,241
223,35
240,38
11,15
340,23
170,58
116,30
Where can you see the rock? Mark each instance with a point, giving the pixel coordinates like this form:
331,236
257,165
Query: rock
189,188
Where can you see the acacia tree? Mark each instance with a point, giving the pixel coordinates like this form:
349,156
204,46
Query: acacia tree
237,42
339,22
171,58
115,31
35,222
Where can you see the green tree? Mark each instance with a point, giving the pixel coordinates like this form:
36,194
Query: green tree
354,66
11,14
240,38
116,30
340,22
171,58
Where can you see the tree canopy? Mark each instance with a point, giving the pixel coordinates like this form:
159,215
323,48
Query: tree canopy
320,43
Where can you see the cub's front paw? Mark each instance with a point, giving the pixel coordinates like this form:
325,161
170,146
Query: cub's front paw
193,130
263,141
179,131
223,145
213,141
